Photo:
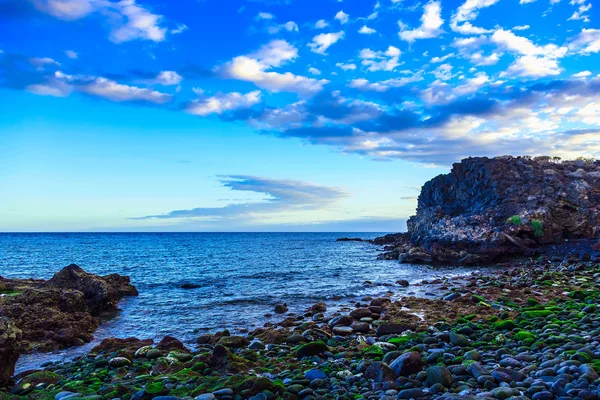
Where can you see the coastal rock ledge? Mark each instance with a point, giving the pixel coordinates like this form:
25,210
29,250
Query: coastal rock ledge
487,209
38,315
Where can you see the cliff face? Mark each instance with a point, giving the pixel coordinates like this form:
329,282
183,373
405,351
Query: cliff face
487,208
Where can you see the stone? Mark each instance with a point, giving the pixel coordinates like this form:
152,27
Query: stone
407,364
380,372
311,349
10,337
280,309
315,374
235,342
458,339
438,374
118,362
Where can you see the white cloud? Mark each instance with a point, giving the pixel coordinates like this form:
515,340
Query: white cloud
114,91
524,46
479,59
128,20
431,23
580,13
467,12
380,60
320,24
582,74
364,84
346,67
472,85
314,71
342,17
167,78
71,54
289,26
180,28
222,102
323,41
265,15
436,60
443,72
255,68
366,30
588,41
533,61
41,62
67,10
521,28
526,1
533,66
382,86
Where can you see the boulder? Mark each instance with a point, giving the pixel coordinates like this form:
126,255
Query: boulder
10,337
407,364
101,293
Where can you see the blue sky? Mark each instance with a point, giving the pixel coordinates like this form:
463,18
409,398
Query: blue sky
203,115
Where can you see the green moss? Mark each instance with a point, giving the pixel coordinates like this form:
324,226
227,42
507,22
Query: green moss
524,335
514,220
155,388
538,228
399,341
507,324
10,292
373,351
537,314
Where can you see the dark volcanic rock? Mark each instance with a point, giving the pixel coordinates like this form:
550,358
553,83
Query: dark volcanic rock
347,239
101,293
61,312
10,336
489,208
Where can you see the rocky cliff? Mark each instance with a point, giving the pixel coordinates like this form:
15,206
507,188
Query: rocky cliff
489,208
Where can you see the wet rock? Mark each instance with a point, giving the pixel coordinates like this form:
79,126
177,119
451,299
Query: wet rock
10,337
101,293
280,309
380,372
311,349
235,342
407,364
439,375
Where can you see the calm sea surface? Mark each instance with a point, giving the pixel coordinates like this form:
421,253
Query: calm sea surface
242,276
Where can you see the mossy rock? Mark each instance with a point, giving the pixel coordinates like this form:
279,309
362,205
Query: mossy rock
32,380
537,314
311,349
525,335
506,325
373,351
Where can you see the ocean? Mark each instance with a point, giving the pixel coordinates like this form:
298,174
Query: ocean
242,276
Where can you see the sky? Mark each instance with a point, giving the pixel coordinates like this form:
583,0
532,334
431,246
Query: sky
275,115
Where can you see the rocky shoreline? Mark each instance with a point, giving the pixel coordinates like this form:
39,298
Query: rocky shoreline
38,315
530,331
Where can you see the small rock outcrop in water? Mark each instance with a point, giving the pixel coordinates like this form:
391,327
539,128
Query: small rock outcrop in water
489,208
100,293
54,314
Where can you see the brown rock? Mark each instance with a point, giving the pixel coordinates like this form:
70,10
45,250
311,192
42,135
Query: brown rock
10,336
169,343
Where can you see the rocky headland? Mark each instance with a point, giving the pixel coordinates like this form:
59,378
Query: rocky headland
38,315
490,209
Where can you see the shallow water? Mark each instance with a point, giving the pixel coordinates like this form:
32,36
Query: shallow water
242,276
